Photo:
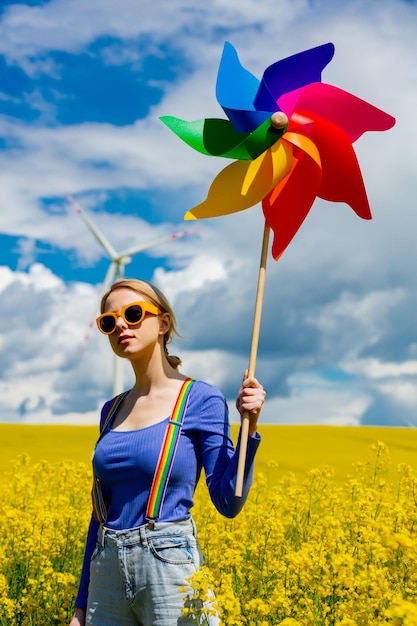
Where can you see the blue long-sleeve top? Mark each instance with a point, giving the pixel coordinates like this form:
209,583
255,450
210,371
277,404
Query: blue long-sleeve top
125,461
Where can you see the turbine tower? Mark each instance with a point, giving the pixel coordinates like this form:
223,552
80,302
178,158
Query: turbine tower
116,271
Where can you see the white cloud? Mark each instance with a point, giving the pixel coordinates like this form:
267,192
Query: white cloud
315,401
352,322
375,369
213,366
201,270
403,392
47,377
27,32
43,362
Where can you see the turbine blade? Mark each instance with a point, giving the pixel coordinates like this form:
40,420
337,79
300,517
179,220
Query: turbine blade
155,242
117,375
109,278
102,240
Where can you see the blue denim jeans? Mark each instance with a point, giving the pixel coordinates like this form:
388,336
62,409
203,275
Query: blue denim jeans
136,576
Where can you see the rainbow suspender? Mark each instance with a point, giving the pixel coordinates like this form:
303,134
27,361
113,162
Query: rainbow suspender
167,454
165,460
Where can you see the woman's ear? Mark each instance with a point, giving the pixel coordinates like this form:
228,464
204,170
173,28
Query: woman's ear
164,323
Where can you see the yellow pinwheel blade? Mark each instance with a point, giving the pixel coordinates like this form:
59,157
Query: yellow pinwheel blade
243,184
275,163
282,158
260,165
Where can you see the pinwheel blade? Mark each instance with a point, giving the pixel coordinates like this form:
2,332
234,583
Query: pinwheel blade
353,115
276,164
236,89
212,136
341,175
225,194
292,73
215,137
286,208
243,184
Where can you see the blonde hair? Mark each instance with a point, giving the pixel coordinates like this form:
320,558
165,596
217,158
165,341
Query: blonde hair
156,297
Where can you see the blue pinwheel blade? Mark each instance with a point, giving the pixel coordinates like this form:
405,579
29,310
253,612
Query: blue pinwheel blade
292,73
236,89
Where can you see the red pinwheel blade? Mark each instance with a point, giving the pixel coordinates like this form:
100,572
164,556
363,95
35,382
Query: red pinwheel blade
287,206
341,175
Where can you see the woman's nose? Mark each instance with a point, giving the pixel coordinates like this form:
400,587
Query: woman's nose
120,322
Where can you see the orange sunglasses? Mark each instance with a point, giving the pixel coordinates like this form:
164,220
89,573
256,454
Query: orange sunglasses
132,314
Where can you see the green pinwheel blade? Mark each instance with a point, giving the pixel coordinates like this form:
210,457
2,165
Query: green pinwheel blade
216,137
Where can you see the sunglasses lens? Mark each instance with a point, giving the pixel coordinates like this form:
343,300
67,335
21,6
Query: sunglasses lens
133,314
107,324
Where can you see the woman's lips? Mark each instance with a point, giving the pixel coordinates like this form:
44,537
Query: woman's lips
123,339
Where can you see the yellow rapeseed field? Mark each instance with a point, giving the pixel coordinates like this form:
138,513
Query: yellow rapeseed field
327,537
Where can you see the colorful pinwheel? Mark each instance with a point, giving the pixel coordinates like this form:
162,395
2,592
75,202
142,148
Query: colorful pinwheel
285,170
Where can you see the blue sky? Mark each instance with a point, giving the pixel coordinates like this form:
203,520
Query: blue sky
82,87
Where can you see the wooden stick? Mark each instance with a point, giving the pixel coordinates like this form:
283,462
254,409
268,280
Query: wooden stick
244,433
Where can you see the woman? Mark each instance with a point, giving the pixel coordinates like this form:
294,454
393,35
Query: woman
138,557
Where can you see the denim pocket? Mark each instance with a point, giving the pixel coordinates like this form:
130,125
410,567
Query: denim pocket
97,551
174,550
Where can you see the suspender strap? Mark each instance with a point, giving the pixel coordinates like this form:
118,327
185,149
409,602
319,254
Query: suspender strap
99,505
116,402
167,454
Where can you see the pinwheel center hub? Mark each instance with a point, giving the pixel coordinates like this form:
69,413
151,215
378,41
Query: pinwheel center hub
279,120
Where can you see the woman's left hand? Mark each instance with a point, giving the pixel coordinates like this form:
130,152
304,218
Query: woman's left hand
250,399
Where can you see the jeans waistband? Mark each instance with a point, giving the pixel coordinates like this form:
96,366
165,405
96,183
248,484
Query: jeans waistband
146,531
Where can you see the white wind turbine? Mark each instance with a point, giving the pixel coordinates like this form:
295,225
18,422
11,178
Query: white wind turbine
116,271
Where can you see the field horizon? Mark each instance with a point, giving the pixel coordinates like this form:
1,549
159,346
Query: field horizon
284,448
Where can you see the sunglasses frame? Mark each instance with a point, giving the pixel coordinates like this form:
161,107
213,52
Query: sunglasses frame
146,307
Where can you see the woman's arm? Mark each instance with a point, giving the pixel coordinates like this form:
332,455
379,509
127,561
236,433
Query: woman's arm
81,600
218,455
78,618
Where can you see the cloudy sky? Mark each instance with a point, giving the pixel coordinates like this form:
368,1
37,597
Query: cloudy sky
82,87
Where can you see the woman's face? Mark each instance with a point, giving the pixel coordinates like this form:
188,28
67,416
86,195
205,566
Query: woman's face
129,340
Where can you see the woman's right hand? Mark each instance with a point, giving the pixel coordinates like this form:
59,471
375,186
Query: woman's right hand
250,399
78,618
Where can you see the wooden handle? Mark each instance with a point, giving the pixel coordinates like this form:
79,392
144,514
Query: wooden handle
244,431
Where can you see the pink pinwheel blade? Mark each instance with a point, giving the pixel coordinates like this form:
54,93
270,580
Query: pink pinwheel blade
352,114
